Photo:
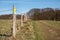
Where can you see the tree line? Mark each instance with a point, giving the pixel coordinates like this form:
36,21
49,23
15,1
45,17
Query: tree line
44,14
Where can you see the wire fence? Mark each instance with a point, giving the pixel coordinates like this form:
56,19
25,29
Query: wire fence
6,26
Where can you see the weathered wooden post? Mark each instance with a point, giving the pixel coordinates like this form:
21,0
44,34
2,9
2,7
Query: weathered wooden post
14,21
21,20
25,17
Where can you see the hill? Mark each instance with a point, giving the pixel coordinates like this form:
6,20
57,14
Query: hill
9,16
44,14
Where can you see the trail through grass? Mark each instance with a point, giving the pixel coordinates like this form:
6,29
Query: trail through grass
36,29
32,30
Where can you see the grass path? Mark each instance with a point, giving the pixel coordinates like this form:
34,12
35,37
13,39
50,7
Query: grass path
54,24
36,29
48,31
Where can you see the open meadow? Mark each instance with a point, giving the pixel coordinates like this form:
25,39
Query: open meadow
31,30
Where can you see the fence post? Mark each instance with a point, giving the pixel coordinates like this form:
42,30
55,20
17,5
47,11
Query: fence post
14,21
25,17
21,20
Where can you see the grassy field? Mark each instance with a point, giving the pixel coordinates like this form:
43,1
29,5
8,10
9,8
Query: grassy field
49,30
32,30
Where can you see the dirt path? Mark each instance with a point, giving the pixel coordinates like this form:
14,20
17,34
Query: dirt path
48,32
36,31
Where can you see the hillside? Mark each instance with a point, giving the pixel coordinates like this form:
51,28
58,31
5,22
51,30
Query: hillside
44,14
9,16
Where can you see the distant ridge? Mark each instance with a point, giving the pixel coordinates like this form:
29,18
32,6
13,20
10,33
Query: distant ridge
38,14
9,16
44,14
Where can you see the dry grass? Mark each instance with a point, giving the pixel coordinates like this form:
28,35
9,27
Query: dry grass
50,30
32,30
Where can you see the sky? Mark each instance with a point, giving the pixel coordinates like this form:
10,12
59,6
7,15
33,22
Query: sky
24,6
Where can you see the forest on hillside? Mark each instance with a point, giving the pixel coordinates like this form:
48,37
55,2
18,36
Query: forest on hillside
44,14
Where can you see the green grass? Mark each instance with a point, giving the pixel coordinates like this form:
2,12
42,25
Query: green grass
36,29
49,29
55,24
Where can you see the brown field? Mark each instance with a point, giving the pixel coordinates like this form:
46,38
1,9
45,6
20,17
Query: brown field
32,30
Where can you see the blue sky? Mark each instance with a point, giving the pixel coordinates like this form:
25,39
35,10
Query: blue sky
24,6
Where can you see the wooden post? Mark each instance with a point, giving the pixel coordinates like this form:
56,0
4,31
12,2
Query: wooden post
25,17
14,21
21,20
